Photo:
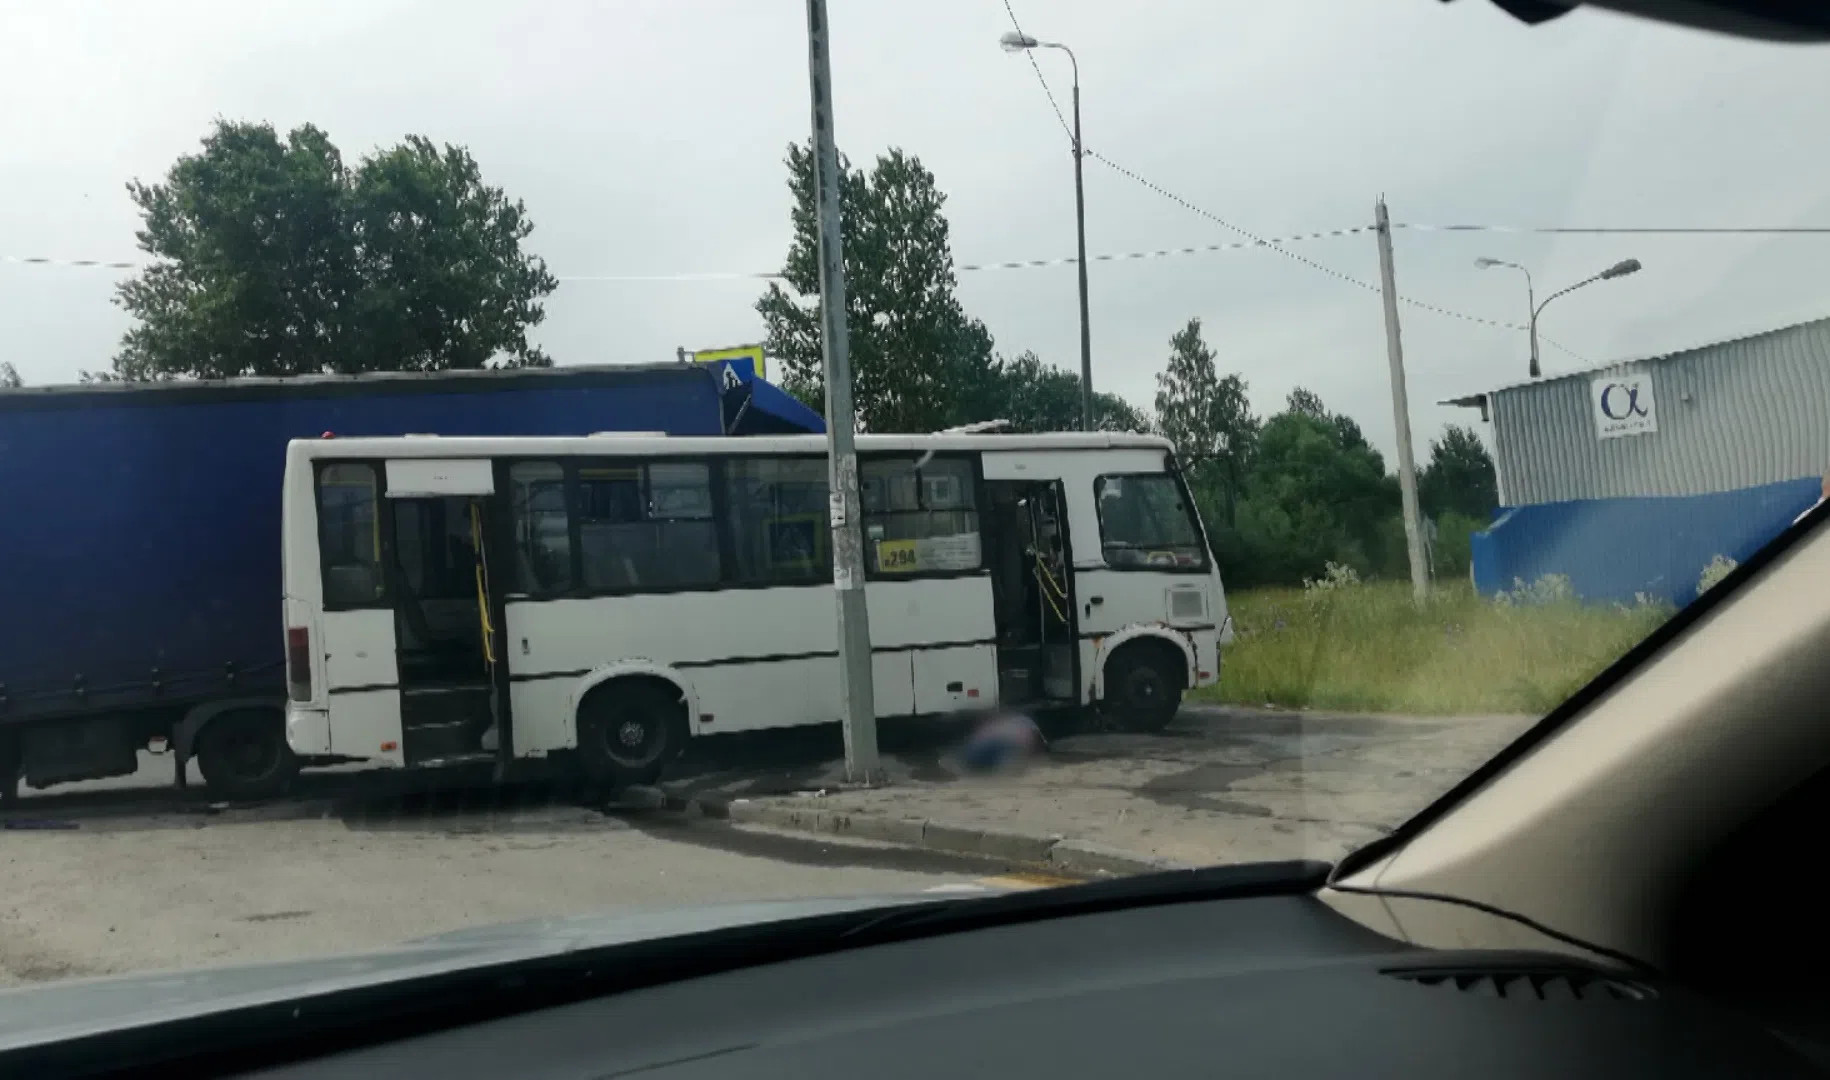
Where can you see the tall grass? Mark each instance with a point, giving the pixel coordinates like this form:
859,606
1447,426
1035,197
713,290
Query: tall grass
1366,646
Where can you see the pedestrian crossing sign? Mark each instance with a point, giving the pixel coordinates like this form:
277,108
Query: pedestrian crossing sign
752,353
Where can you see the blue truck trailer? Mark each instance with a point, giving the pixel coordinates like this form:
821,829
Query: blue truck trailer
140,588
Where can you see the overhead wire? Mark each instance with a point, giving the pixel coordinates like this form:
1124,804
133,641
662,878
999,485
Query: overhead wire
1259,241
1625,230
763,275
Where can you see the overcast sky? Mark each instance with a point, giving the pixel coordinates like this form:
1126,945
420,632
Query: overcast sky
646,139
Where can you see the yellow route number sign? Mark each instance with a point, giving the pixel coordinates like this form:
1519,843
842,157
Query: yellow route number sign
897,556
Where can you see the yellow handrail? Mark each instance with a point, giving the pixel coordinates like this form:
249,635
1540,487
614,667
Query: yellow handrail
489,632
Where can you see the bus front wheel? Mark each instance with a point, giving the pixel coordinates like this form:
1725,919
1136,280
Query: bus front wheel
243,754
629,731
1144,684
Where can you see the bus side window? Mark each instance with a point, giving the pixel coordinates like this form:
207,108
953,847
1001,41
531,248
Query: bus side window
349,535
779,520
646,527
543,536
919,521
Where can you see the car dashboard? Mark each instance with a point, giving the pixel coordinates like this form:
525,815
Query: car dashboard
1259,986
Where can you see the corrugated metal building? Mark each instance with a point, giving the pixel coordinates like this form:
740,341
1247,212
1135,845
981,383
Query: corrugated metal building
1628,478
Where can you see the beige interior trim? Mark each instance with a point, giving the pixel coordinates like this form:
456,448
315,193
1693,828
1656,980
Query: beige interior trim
1585,833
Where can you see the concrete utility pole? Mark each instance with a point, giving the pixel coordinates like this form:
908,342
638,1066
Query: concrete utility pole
857,689
1401,407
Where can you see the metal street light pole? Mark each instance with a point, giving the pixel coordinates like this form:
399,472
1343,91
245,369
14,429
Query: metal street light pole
1013,41
856,687
1619,269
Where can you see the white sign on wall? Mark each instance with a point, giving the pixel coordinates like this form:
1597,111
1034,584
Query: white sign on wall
1623,405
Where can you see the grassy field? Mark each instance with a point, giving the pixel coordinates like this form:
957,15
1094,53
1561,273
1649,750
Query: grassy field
1368,647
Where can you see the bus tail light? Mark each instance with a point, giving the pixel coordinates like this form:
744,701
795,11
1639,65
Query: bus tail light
298,663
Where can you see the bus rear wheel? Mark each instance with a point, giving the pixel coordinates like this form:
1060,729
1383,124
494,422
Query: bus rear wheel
629,731
243,755
1144,685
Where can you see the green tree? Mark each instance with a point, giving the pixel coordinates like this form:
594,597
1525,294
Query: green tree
919,363
1207,416
1459,478
274,258
9,376
1034,397
1317,493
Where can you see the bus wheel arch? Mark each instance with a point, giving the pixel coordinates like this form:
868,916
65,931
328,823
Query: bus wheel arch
1142,680
241,748
630,724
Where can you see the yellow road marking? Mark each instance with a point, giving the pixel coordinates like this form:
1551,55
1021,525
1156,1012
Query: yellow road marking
1026,881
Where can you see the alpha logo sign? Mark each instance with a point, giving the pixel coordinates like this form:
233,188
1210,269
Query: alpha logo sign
1623,405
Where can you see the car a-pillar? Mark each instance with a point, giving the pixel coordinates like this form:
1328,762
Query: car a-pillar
629,728
1143,681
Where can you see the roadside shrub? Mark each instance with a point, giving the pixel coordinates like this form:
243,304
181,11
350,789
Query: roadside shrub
1549,589
1367,646
1335,577
1719,567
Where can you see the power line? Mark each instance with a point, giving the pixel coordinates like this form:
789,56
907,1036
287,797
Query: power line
738,275
1258,241
1163,253
41,260
1627,230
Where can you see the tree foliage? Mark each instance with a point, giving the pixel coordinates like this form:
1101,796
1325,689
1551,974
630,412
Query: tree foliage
1317,493
1206,415
9,376
1034,397
919,362
273,257
1459,478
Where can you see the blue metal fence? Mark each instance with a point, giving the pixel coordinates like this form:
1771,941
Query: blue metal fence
1615,549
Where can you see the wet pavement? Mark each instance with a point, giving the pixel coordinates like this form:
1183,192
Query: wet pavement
1221,784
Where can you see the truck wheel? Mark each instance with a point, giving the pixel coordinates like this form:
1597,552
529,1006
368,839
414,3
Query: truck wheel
243,754
629,731
1144,685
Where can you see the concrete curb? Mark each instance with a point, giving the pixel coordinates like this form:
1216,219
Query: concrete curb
933,834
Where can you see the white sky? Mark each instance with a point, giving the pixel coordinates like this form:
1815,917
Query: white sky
647,137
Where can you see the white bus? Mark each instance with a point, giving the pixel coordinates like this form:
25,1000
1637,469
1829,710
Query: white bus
464,599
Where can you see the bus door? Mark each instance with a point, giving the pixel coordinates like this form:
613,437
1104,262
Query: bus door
1033,590
452,706
931,620
1152,570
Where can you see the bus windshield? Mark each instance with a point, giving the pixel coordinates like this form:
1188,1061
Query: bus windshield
1145,521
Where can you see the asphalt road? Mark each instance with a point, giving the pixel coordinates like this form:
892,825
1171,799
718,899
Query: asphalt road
126,875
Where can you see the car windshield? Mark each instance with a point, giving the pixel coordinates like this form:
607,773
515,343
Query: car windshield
442,487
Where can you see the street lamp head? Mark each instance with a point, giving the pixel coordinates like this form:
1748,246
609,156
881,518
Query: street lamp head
1621,269
1484,262
1012,41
